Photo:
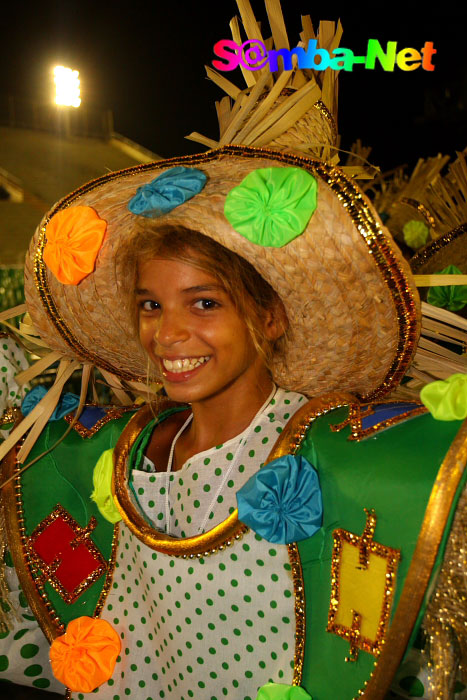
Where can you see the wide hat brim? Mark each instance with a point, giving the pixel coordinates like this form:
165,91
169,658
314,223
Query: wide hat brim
348,293
448,249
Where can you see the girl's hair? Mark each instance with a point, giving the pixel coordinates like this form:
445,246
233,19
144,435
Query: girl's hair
250,293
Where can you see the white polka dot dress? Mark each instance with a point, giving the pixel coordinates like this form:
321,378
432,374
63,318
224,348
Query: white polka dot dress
12,361
215,627
24,651
202,493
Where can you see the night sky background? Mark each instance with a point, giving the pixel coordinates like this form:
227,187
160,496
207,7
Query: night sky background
144,61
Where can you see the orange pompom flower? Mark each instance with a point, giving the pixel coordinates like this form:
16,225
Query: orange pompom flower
84,657
74,238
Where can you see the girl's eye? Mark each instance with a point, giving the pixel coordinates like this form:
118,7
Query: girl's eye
206,304
148,305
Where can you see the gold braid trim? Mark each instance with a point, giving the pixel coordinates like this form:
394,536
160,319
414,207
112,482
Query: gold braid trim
445,621
434,526
8,608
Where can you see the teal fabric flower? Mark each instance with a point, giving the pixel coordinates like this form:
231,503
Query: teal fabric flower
272,206
102,482
282,501
280,691
452,297
446,399
167,191
68,403
416,234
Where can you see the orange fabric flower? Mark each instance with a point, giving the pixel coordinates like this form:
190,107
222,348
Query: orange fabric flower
84,657
74,238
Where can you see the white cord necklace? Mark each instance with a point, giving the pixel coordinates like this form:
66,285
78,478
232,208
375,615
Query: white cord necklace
169,469
242,441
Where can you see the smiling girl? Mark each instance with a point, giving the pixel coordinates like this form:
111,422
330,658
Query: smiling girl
212,520
209,324
262,528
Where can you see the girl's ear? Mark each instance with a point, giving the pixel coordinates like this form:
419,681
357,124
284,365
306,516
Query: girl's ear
275,322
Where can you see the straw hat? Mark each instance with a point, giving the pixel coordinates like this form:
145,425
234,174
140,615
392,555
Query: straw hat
349,296
346,289
448,249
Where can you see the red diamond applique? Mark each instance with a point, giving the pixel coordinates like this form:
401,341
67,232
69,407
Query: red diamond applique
63,553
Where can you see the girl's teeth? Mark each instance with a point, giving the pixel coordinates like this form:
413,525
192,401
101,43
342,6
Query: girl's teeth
188,363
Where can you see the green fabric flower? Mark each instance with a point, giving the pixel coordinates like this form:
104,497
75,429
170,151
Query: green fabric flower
416,234
446,400
102,482
279,691
272,206
452,297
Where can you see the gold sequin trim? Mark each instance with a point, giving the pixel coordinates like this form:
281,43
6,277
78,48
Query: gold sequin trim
41,607
321,107
113,413
10,415
349,196
300,618
43,572
39,603
110,572
358,411
210,542
289,442
421,208
296,429
366,546
425,254
231,529
421,568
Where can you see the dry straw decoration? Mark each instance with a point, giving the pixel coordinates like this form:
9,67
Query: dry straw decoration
346,290
349,296
434,194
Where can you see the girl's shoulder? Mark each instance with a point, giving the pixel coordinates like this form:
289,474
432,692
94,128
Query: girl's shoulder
162,437
151,432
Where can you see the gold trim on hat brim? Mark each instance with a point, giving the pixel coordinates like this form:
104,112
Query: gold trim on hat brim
403,295
425,258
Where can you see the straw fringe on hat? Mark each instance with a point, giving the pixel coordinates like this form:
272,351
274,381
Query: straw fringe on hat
434,196
286,110
348,293
346,290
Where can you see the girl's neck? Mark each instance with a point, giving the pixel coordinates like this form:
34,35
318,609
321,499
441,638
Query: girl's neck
221,418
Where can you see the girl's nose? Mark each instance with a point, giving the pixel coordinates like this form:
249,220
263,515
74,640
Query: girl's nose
170,329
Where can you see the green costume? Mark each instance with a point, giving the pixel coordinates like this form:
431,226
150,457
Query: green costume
385,556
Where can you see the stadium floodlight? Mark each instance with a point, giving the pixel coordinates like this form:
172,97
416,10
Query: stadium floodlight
67,91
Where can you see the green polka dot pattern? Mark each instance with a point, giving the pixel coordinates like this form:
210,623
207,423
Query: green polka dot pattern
203,492
210,628
24,652
197,626
12,361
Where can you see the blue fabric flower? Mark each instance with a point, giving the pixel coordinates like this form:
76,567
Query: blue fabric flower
67,403
282,502
167,191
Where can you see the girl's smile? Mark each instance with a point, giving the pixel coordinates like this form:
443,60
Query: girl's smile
181,369
190,327
187,363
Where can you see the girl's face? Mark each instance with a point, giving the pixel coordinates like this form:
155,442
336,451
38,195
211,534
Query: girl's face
190,327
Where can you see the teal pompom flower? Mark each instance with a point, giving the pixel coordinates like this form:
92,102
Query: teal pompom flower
167,191
282,502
